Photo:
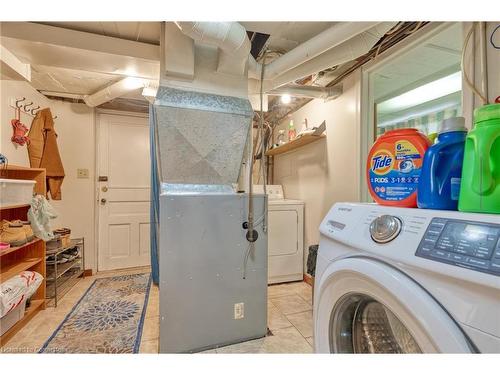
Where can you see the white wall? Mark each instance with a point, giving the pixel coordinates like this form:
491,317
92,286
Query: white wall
76,139
473,66
326,171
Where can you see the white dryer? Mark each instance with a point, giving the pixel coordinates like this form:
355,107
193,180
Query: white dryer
395,280
285,236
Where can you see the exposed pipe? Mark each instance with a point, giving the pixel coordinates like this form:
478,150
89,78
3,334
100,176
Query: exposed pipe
230,37
315,92
346,51
322,42
114,91
321,52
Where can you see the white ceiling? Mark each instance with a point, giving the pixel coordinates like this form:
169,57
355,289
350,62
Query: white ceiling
83,57
77,58
146,32
285,36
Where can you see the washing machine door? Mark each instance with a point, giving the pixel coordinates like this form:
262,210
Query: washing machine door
366,306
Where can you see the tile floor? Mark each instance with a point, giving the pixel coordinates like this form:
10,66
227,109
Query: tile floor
289,319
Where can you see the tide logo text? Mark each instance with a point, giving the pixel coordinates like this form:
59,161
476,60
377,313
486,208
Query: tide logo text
382,162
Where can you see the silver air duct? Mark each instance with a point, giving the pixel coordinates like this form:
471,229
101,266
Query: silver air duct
201,136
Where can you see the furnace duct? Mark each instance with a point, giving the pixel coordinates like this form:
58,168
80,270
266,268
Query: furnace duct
201,138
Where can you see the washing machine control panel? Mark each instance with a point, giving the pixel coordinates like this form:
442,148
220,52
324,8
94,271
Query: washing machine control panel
462,243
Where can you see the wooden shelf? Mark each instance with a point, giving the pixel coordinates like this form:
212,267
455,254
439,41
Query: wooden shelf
296,143
25,173
13,270
36,305
30,256
15,206
16,248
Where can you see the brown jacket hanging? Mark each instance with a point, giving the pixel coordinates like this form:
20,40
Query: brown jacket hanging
43,151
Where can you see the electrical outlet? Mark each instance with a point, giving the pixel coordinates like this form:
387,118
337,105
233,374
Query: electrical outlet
82,173
239,310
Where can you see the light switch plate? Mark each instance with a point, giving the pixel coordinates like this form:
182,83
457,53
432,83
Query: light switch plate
82,173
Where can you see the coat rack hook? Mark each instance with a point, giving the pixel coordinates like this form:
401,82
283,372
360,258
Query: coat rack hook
34,110
53,118
19,101
27,105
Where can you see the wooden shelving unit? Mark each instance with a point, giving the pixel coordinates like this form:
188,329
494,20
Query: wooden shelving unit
30,256
296,143
24,173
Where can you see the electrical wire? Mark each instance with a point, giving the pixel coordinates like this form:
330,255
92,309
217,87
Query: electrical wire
262,140
464,71
409,32
491,37
251,223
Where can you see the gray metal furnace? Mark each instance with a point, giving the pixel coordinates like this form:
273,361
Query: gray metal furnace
209,297
213,280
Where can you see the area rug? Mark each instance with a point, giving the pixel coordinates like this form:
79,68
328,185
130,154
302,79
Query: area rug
107,319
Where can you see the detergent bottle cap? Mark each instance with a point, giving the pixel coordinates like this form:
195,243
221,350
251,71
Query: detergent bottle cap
453,124
487,112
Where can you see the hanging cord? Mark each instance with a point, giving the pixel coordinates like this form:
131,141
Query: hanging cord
263,142
464,71
251,233
492,41
250,247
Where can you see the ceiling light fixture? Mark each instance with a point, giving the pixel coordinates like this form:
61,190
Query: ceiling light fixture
286,99
425,93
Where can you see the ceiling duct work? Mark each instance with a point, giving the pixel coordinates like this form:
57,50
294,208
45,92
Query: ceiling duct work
337,45
308,50
201,136
314,92
203,127
230,37
113,91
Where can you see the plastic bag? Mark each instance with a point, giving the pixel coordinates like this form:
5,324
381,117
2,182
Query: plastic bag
18,289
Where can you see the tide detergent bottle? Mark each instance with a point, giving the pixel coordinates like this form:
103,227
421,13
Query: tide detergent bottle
394,166
439,185
480,188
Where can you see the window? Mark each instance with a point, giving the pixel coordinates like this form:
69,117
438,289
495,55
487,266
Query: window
420,88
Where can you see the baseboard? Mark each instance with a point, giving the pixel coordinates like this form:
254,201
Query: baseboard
87,272
309,279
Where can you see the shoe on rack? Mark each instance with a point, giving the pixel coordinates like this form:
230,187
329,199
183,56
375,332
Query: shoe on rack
27,229
68,256
12,233
51,259
73,252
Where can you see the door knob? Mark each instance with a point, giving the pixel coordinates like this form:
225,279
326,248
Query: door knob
103,201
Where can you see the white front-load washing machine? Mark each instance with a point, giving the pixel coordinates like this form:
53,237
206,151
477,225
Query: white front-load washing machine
398,280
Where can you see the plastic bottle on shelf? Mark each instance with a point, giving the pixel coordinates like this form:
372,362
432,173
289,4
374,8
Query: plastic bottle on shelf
394,165
291,131
439,185
480,188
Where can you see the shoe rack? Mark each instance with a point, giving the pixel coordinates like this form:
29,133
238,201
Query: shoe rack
30,256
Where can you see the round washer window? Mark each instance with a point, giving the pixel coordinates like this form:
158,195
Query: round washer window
360,324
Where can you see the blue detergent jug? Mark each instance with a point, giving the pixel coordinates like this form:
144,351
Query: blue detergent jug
439,184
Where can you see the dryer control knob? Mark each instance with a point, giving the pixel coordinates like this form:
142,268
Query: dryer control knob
385,228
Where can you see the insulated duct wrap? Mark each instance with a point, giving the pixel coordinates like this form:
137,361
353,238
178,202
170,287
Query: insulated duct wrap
201,137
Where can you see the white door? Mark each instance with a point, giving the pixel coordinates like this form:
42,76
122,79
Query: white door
124,187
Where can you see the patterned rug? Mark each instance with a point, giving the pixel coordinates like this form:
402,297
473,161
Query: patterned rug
107,319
